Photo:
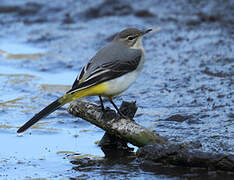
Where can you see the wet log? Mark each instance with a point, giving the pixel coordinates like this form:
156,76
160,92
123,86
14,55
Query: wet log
153,149
109,121
115,146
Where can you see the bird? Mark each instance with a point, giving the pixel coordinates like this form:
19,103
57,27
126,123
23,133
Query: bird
110,72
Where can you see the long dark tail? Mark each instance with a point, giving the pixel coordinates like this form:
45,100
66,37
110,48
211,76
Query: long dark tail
54,106
43,113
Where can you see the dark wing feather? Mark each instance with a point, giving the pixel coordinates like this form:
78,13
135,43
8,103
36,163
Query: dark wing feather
82,73
114,70
111,68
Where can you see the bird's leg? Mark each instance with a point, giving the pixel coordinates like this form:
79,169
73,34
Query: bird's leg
102,105
120,113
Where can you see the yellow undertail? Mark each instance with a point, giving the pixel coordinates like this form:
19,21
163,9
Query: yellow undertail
91,91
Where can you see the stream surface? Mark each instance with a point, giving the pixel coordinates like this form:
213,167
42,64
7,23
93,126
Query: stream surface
185,92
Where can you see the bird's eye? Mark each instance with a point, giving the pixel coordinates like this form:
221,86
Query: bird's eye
131,37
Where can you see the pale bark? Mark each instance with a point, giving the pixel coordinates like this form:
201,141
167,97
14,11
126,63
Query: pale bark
126,129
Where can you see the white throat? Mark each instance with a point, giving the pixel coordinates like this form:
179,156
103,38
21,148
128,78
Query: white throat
138,44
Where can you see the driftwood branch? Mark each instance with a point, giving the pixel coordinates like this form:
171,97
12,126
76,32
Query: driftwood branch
127,129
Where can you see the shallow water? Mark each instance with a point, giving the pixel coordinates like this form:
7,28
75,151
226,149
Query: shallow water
185,92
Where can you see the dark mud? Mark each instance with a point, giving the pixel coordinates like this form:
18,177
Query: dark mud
185,92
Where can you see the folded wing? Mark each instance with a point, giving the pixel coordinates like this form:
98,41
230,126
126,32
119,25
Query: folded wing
111,62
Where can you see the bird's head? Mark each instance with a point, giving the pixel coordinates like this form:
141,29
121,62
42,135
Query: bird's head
131,37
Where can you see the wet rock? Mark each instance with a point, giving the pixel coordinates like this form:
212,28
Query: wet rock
193,144
205,17
8,9
68,19
231,115
85,162
111,144
129,109
179,38
30,8
47,37
177,154
31,12
220,74
226,60
209,99
108,8
178,118
157,152
204,116
115,157
35,20
144,13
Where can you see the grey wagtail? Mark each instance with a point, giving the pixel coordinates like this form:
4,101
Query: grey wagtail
110,72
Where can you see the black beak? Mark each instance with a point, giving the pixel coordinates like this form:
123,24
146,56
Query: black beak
147,31
153,30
